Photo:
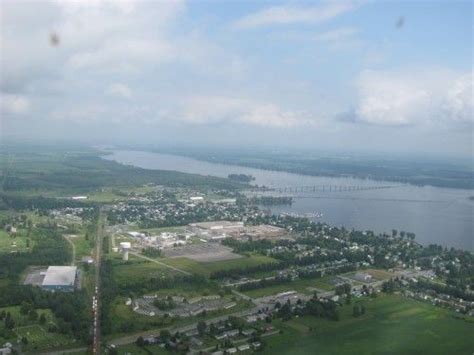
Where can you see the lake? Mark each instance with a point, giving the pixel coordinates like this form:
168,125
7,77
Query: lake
436,215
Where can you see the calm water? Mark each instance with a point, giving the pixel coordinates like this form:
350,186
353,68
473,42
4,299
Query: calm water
436,215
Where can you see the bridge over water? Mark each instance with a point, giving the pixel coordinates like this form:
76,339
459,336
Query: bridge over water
308,190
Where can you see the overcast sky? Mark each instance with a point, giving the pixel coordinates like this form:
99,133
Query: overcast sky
350,75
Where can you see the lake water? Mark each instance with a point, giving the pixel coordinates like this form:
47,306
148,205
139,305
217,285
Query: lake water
436,215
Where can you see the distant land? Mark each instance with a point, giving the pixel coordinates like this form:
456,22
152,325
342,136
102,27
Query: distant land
436,173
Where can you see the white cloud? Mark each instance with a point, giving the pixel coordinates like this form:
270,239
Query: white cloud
119,90
459,103
414,97
270,115
289,14
14,104
219,109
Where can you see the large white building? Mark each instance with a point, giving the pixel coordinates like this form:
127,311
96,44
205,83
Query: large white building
60,278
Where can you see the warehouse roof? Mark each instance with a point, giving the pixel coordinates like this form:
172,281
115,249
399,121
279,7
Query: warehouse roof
60,276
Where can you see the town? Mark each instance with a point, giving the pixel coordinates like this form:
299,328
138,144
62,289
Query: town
196,271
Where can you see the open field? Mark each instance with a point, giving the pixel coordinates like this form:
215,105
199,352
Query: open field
138,269
16,243
37,335
207,268
39,338
176,229
306,286
82,246
391,325
112,195
125,320
203,252
22,320
146,350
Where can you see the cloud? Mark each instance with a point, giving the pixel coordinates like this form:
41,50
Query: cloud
204,110
291,14
459,99
14,104
414,97
119,90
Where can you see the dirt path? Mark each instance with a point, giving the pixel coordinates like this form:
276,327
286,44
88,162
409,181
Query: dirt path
73,261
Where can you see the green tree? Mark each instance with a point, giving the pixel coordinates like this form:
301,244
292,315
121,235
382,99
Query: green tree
165,334
356,311
25,308
140,341
201,327
42,318
33,315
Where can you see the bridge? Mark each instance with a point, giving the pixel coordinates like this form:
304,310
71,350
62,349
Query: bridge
291,190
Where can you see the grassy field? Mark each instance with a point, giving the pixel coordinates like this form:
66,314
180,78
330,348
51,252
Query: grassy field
7,242
22,320
82,246
125,320
146,350
391,325
207,268
112,195
303,286
138,269
37,335
39,338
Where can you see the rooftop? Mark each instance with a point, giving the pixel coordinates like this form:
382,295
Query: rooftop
60,276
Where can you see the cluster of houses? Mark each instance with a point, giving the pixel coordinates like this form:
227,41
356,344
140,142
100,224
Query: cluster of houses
442,300
160,207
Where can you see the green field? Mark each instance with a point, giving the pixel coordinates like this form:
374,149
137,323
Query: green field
15,243
302,285
39,338
82,246
207,268
138,269
391,325
125,320
146,350
37,335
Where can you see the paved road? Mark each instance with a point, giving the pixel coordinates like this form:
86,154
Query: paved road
132,338
160,263
68,351
96,296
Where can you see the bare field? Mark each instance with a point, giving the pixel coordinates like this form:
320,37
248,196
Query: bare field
204,252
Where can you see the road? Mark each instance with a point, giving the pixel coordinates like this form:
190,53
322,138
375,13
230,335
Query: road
73,246
132,338
96,296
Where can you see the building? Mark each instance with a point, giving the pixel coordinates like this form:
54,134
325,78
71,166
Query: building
60,278
218,225
363,277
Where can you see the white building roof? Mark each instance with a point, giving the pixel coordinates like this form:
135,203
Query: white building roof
60,276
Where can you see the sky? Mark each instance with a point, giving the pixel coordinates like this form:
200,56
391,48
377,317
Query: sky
373,76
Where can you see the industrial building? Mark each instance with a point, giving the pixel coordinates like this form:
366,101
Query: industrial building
218,225
60,278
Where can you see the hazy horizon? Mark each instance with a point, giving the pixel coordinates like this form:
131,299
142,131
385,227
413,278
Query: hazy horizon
350,76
